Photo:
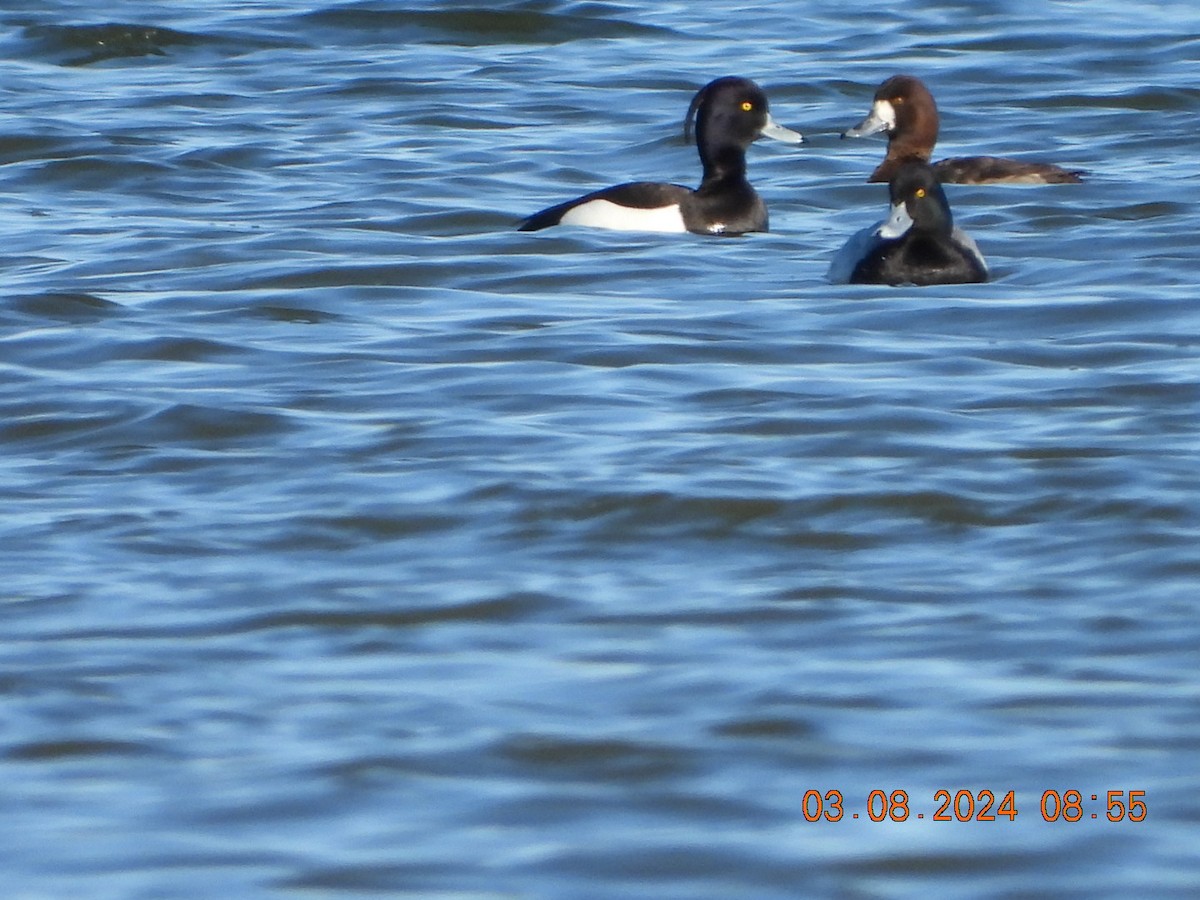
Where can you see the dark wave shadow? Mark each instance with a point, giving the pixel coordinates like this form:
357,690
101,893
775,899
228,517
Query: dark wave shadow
479,25
82,45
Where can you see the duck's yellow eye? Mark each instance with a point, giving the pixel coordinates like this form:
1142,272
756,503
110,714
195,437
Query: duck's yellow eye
747,106
920,193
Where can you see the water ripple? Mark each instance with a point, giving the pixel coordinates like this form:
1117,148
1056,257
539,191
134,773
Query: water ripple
356,541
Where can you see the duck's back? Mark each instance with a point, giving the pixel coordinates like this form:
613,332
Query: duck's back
995,170
634,206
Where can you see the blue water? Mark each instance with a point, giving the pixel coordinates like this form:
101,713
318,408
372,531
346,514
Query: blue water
356,544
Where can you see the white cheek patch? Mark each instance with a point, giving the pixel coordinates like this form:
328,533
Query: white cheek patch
885,113
606,214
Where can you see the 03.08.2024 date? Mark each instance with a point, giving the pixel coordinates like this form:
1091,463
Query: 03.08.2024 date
979,806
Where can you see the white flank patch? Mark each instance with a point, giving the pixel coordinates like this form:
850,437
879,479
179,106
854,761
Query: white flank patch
844,261
967,242
606,214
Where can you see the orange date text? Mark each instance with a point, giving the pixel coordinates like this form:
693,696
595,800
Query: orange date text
975,806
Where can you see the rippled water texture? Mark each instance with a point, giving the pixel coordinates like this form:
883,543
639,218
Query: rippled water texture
357,544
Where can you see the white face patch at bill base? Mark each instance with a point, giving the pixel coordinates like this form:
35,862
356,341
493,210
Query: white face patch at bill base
882,117
897,223
606,214
885,113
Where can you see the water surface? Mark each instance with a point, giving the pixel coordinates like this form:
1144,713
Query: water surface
357,544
